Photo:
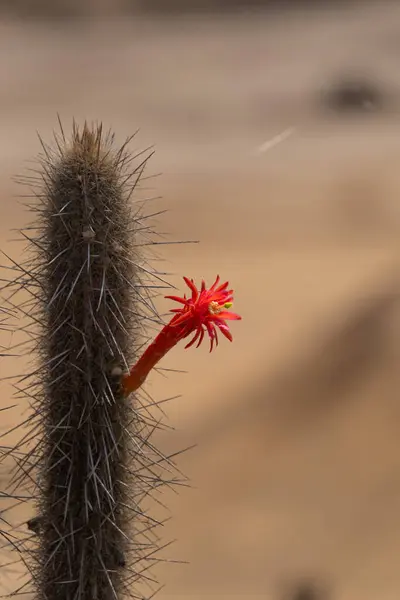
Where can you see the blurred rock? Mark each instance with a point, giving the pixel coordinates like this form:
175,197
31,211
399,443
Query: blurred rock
306,590
353,95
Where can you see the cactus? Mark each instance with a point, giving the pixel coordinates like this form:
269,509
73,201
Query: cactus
90,457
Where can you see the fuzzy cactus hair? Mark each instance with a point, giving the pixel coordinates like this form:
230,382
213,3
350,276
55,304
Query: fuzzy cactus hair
84,294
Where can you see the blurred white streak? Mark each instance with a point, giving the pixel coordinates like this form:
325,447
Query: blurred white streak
277,139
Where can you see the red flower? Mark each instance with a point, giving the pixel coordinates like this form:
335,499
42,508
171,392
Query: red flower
205,311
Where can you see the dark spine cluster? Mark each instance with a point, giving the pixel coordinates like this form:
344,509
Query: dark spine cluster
90,457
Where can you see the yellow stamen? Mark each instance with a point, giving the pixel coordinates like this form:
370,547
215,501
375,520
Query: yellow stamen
214,308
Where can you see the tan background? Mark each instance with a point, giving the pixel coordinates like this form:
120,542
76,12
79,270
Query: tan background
297,470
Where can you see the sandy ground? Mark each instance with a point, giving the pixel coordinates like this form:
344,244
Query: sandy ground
296,473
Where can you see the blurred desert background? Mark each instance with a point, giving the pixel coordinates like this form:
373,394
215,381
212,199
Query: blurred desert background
296,473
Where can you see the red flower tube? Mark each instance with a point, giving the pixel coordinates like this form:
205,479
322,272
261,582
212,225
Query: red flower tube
204,312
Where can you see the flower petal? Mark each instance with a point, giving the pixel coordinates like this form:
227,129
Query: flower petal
195,338
225,330
192,287
222,287
223,297
212,333
178,320
225,315
212,288
201,338
177,299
